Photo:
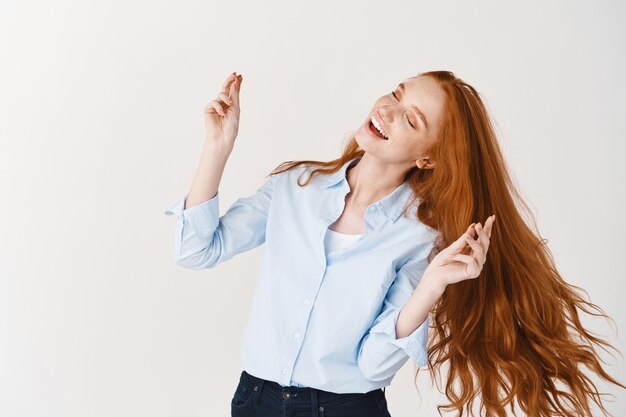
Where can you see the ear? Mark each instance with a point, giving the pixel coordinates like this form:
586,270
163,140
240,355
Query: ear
424,163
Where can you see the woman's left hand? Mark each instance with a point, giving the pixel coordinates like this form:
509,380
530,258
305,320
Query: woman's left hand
451,265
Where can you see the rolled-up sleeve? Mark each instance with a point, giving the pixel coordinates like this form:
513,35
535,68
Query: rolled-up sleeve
381,353
203,239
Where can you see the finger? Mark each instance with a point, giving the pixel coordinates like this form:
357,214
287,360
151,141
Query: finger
218,108
483,239
460,243
472,231
209,109
489,226
484,233
487,229
224,97
478,249
234,93
229,80
471,270
469,261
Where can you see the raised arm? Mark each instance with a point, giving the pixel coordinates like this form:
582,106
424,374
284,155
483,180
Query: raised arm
203,239
221,120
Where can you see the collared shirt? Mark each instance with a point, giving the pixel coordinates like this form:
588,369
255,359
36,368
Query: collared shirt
317,320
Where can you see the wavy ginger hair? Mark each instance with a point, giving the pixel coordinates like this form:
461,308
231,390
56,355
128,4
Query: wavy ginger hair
512,329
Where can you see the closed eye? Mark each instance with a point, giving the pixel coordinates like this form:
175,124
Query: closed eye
405,116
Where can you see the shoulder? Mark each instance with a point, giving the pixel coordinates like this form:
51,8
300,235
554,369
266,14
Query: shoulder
419,237
408,219
421,245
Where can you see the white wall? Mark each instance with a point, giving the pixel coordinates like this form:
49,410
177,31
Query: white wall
101,129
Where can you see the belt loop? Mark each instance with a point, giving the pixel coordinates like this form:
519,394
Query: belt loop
314,403
384,389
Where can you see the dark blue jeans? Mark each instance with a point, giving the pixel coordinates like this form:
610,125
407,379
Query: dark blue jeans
256,397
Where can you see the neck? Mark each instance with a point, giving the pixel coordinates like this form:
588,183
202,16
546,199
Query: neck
370,180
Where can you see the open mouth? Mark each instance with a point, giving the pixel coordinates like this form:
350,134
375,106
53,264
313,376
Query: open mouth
374,131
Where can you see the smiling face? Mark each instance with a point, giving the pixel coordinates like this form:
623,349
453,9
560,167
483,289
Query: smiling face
411,117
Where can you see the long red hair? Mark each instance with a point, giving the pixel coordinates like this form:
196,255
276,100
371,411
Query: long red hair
514,330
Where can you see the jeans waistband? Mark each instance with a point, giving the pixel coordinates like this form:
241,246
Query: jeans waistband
305,396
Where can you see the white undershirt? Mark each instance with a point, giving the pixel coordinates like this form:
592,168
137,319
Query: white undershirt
335,241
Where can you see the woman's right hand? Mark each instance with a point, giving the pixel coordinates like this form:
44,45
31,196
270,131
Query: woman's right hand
221,116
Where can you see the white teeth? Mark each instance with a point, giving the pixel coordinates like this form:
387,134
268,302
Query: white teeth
378,127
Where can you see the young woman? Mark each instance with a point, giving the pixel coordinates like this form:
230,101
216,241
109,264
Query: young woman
371,243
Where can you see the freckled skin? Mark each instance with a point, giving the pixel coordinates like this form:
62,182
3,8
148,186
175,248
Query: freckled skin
386,162
406,146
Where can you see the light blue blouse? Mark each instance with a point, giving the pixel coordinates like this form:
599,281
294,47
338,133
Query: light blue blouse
326,322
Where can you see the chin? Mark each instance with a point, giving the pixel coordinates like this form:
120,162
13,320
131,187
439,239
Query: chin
364,141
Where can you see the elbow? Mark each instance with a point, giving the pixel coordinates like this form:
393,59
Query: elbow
374,373
371,369
187,265
371,374
200,260
380,362
380,372
199,253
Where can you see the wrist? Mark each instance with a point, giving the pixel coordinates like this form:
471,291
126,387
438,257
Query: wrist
435,284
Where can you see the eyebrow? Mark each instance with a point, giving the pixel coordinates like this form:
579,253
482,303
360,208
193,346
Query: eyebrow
414,107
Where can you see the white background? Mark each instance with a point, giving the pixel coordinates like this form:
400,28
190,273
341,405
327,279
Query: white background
101,129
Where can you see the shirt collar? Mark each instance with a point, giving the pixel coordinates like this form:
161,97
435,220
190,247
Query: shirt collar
335,177
391,205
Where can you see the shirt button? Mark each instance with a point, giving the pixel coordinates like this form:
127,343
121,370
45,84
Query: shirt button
285,370
296,335
307,301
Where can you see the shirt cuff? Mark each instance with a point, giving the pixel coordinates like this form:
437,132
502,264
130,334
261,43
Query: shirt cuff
414,345
203,218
